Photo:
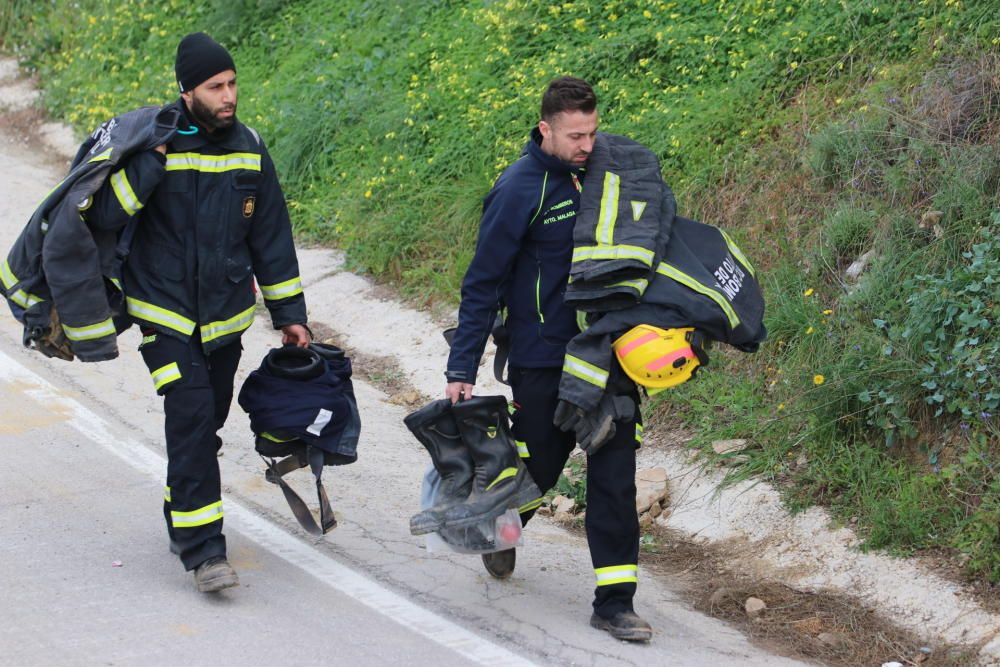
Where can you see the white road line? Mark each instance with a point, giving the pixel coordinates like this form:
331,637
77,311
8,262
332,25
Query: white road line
269,536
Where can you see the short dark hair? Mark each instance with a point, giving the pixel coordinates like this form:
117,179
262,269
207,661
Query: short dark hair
567,93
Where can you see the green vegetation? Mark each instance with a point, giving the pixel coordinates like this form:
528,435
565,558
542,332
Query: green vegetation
822,134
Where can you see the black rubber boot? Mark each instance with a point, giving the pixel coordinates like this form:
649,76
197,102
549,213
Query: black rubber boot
501,481
434,426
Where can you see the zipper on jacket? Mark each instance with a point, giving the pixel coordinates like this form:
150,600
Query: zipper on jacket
538,295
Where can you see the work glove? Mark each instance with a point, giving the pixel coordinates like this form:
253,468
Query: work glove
52,341
595,427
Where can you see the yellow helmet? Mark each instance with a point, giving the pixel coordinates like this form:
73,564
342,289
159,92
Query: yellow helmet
660,358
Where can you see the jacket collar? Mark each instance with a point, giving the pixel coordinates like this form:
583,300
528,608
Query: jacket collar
551,162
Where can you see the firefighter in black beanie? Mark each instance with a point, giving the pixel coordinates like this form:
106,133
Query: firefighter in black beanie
213,217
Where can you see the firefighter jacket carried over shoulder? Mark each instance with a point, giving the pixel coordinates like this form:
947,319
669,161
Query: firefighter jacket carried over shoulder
703,280
212,216
60,261
626,213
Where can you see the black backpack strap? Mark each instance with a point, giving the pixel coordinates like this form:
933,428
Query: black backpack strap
500,338
275,472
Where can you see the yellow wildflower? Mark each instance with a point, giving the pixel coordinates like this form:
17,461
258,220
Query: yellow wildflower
818,379
809,330
808,292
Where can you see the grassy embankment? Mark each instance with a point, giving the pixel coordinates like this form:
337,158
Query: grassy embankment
818,133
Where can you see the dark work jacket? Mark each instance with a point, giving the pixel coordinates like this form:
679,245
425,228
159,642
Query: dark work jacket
703,280
521,263
61,263
212,216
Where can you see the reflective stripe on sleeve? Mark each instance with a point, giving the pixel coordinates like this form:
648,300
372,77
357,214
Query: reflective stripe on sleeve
617,574
162,316
609,209
585,371
123,191
198,517
609,252
234,324
282,290
166,493
165,375
99,330
212,163
638,433
20,297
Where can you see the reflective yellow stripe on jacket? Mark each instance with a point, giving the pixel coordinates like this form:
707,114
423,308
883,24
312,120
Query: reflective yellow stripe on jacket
99,330
234,324
585,371
123,191
212,163
282,290
685,279
20,297
161,316
583,253
609,210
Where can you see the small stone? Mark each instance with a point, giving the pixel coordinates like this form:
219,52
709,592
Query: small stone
930,218
892,664
565,505
735,460
727,446
544,510
801,461
651,475
833,640
655,510
720,596
855,270
645,522
754,607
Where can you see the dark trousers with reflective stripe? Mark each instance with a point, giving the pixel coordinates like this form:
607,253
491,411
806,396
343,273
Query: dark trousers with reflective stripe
196,399
612,523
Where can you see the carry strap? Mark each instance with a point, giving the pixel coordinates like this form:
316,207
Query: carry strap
274,473
501,339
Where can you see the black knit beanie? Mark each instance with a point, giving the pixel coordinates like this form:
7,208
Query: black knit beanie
199,58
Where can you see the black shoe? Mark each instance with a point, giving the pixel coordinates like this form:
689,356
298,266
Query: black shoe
624,625
500,564
215,574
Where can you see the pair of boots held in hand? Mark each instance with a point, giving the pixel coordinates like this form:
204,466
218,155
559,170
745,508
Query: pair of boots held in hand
471,447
